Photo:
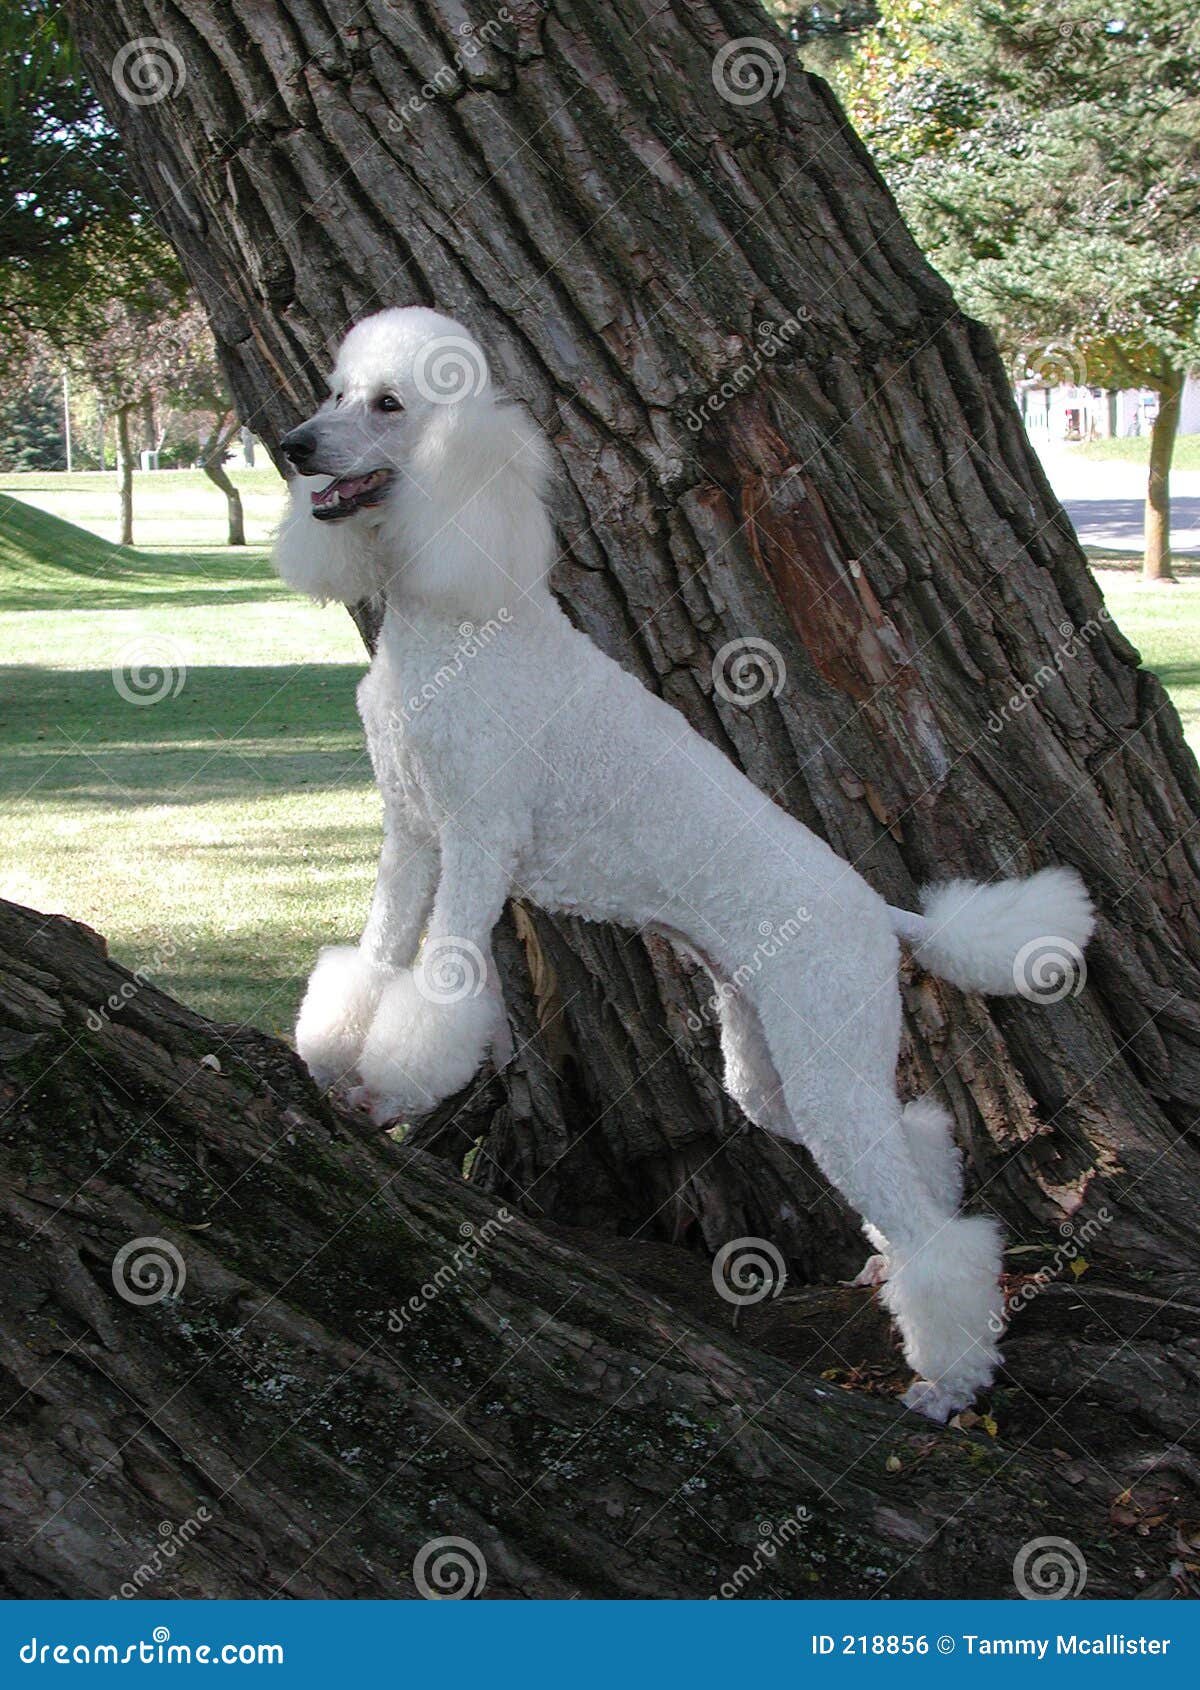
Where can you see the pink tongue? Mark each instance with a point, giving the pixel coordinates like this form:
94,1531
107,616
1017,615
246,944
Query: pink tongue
348,488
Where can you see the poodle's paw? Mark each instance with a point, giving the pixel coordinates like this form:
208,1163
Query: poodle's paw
936,1399
343,991
385,1111
421,1049
874,1271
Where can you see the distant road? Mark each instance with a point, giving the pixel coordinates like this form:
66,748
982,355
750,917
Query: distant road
1105,501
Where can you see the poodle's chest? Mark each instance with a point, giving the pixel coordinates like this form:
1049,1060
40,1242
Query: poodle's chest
427,730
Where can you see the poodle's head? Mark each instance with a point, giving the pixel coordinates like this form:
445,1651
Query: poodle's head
413,479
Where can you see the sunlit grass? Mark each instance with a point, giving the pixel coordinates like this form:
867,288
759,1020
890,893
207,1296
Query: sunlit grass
1163,622
170,507
1136,450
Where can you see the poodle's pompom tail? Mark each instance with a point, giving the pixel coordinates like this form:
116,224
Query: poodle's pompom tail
1014,936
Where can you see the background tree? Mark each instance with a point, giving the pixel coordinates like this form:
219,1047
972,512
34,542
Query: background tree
1048,161
122,361
86,276
31,416
184,373
76,232
774,425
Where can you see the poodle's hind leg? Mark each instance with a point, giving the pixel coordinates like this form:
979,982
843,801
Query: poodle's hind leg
930,1134
900,1172
941,1270
750,1077
929,1130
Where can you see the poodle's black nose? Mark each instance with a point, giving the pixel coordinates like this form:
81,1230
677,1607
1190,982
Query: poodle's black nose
299,446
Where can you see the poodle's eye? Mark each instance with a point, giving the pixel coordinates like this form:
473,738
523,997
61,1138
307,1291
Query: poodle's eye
337,398
388,402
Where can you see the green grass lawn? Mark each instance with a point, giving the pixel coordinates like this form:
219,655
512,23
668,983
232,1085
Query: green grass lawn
1164,624
159,501
1136,450
219,834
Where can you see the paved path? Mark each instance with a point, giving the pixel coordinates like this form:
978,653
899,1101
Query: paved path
1105,501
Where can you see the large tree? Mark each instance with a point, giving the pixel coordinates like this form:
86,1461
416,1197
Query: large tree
778,435
247,1350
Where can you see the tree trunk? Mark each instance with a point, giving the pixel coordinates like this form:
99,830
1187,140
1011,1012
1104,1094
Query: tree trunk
1156,564
212,460
101,422
773,425
248,1350
149,425
125,473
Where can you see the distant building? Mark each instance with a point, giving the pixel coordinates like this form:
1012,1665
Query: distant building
1098,413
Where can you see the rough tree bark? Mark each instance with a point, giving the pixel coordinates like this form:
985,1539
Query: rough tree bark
773,424
1156,564
267,1413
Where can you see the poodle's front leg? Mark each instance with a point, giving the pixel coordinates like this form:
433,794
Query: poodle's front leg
434,1024
348,981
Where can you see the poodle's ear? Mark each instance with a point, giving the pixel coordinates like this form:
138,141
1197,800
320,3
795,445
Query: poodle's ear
468,526
327,560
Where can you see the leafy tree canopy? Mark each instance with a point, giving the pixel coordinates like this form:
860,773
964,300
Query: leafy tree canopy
75,233
1047,156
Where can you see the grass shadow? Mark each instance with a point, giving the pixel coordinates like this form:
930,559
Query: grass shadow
49,564
246,730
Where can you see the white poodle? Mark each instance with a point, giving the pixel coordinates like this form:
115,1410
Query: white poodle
515,757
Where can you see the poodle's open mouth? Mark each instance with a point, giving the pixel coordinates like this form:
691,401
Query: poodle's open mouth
351,493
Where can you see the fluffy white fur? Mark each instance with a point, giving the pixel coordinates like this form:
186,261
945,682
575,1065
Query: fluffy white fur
529,762
974,934
420,1049
339,1005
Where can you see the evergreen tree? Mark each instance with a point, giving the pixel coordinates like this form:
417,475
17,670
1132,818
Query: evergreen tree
1048,160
